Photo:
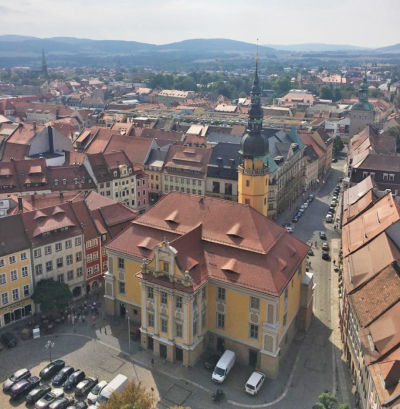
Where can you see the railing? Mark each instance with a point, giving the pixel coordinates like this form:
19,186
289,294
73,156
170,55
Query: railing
247,172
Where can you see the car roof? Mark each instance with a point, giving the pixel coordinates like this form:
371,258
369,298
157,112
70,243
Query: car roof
254,378
20,372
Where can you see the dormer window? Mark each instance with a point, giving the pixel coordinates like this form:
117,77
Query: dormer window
115,174
56,182
166,267
76,181
130,171
83,180
64,182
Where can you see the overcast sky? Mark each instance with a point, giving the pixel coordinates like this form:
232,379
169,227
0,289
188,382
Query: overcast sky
354,22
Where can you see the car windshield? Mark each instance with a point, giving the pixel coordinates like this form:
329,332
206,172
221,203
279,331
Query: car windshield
96,389
102,399
219,371
48,397
13,378
250,386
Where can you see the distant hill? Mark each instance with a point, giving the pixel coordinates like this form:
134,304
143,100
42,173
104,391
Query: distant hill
315,47
391,49
212,44
12,37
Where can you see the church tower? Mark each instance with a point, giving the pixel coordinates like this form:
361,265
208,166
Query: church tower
44,66
362,113
253,172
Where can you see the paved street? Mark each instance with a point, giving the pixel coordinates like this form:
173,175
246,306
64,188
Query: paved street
306,371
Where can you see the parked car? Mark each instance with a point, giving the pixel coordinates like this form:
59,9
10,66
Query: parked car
37,393
51,369
85,386
224,366
211,361
325,246
329,218
322,235
299,214
295,219
80,404
23,387
94,393
62,375
289,229
254,383
73,380
333,202
9,340
334,160
310,252
16,377
326,256
50,397
61,403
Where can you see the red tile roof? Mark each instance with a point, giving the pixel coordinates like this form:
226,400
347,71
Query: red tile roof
137,149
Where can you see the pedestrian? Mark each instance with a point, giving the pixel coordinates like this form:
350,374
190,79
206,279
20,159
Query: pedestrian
73,320
105,330
93,320
83,319
315,244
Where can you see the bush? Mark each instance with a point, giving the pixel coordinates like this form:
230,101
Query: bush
134,396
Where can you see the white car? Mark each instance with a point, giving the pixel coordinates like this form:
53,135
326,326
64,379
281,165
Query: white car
289,229
94,393
254,383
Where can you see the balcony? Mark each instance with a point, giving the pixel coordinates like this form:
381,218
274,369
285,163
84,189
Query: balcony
248,172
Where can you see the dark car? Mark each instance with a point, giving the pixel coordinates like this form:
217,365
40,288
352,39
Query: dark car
23,387
310,252
85,386
51,369
61,403
62,375
37,393
13,379
334,160
295,219
73,380
211,361
8,340
325,255
322,235
80,404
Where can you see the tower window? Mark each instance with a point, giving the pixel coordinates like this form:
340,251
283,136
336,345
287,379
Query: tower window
247,201
248,183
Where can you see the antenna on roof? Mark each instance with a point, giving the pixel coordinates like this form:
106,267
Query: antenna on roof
257,58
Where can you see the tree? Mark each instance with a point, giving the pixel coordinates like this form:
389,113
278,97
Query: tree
326,93
394,132
282,85
337,94
133,397
396,101
242,95
327,401
338,145
52,295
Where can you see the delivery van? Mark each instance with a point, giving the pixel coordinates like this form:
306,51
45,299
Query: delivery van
224,366
117,385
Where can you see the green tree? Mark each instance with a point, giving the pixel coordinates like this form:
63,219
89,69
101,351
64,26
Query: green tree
338,145
52,295
327,401
242,95
282,85
133,397
394,132
337,95
326,93
375,93
15,79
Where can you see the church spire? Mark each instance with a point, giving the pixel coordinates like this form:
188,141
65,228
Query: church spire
363,93
255,109
44,66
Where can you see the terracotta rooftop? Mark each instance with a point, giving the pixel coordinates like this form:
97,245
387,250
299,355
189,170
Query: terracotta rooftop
136,149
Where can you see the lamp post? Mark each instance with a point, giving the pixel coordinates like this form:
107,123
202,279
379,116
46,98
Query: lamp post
50,345
129,333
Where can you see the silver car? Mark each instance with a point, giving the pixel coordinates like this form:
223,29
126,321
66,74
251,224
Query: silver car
49,398
94,393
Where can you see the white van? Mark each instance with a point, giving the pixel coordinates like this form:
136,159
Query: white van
253,385
223,367
117,385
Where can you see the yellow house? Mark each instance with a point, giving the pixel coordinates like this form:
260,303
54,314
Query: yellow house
16,284
198,272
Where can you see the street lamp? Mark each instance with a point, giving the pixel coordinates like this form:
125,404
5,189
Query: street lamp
129,334
50,345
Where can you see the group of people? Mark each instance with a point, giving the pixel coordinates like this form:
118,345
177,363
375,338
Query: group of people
79,314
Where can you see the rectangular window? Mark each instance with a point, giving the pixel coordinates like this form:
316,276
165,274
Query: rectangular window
164,325
78,241
60,262
58,246
121,263
166,267
286,293
195,327
79,256
38,270
89,258
68,244
14,275
178,330
221,294
284,319
179,302
88,244
253,331
24,271
255,303
47,250
37,253
15,294
49,266
4,298
23,256
95,269
195,301
150,320
79,272
221,321
95,255
164,298
89,271
27,290
2,263
121,287
150,293
203,294
60,278
247,183
12,260
70,275
204,319
70,259
105,266
3,278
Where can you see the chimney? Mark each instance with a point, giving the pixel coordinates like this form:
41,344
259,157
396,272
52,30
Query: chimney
20,207
34,125
61,195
